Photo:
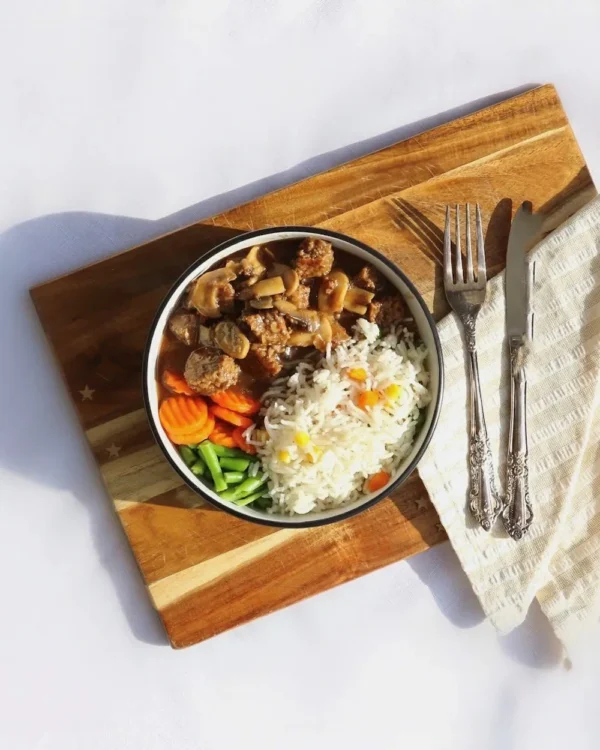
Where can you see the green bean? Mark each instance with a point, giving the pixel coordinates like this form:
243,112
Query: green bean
249,498
221,450
188,455
207,452
234,464
228,494
198,468
249,486
234,477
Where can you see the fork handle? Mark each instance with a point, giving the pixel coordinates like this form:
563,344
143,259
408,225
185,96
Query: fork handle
517,514
484,501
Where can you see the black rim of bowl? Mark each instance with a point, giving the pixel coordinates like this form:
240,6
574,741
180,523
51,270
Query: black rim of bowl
281,521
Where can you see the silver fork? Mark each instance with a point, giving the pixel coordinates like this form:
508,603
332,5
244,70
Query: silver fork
466,295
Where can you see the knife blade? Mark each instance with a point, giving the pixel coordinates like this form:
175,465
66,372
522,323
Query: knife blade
524,231
517,513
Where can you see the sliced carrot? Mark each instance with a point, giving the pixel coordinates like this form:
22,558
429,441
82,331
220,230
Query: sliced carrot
239,420
178,435
182,413
223,435
235,399
176,383
378,481
241,442
191,438
368,398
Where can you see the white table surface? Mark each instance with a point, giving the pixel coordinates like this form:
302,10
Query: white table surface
120,121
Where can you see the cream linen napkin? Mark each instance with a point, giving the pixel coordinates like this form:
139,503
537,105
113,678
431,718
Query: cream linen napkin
558,561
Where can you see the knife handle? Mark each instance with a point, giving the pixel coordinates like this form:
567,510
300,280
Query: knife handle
517,514
484,501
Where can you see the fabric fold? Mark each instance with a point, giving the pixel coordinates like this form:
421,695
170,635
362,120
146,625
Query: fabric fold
558,561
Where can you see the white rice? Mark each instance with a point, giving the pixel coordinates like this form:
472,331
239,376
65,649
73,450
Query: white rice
347,445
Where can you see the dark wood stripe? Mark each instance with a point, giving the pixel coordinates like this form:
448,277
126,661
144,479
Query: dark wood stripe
97,318
169,534
403,165
314,561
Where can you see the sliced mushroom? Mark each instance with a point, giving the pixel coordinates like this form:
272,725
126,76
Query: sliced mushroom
207,291
253,267
263,303
301,338
324,335
306,318
259,255
264,288
357,299
235,266
253,258
206,336
285,307
291,280
231,340
332,292
288,274
358,309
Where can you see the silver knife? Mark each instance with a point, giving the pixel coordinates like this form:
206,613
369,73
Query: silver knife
517,513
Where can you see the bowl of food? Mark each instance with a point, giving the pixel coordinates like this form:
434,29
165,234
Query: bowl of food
293,376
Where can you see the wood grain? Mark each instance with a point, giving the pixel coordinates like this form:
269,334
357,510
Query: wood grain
207,571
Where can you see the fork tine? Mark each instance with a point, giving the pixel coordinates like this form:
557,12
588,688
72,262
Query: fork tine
447,250
457,251
470,275
481,271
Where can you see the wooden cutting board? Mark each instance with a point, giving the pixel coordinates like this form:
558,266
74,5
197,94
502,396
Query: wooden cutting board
207,571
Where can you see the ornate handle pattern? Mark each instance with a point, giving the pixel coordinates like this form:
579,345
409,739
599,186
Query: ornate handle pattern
517,514
484,501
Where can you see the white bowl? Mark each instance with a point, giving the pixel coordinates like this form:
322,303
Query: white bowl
423,319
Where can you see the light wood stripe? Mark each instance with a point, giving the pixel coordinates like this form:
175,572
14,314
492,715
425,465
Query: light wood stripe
501,152
104,433
139,476
168,590
181,497
468,166
121,505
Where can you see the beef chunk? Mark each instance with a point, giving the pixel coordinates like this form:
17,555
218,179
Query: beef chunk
268,356
373,311
268,327
226,298
314,258
328,285
300,298
338,332
367,278
208,371
184,326
387,313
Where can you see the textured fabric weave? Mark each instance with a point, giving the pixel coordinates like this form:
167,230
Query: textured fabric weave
558,561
